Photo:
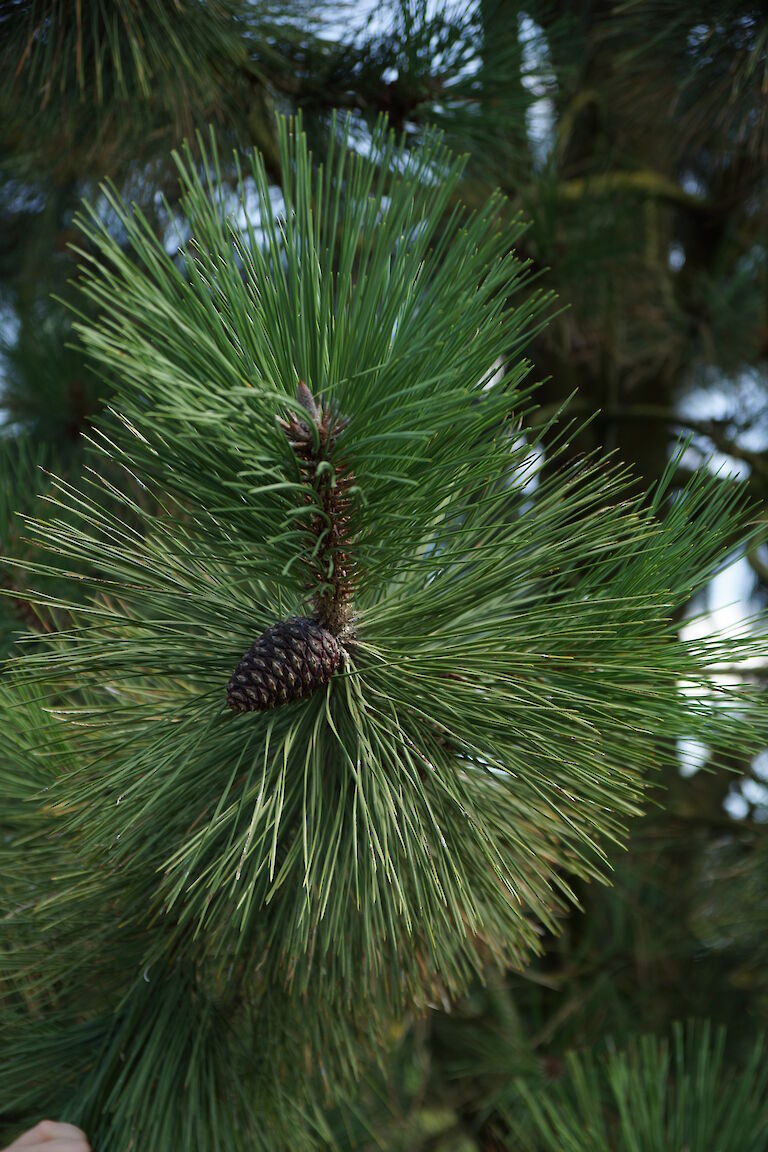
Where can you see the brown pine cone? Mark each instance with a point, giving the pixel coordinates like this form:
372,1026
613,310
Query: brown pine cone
289,660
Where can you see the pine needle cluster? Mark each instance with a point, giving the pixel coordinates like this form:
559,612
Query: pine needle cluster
100,53
653,1094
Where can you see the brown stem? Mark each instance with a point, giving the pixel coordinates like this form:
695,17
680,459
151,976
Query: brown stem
331,567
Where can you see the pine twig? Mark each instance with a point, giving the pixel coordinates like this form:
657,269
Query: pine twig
331,567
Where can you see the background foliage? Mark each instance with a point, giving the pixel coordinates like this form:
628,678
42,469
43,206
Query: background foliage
633,138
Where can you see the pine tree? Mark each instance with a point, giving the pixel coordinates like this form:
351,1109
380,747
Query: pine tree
343,657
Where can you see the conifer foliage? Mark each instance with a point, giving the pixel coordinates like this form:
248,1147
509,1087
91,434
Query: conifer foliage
317,417
653,1095
57,52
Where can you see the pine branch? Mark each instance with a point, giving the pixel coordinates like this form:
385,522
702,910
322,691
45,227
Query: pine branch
512,686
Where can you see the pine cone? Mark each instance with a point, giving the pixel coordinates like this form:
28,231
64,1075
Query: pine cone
290,660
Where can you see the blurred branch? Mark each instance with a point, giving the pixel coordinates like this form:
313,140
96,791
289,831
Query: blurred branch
757,564
713,430
647,183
